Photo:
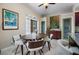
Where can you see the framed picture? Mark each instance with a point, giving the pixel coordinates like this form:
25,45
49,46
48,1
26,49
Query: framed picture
54,22
33,26
10,20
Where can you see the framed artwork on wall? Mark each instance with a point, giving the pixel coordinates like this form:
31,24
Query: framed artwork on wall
76,18
76,22
33,26
10,20
54,22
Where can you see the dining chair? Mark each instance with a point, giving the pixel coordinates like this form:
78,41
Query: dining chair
48,41
33,46
18,42
51,35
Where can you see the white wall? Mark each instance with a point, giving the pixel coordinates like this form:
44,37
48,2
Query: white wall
6,35
38,27
28,25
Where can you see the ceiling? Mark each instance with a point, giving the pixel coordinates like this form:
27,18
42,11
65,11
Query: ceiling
52,9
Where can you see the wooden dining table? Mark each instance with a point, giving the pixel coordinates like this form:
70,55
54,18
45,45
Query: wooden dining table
29,37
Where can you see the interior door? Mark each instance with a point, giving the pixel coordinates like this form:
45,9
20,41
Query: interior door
33,26
66,27
43,26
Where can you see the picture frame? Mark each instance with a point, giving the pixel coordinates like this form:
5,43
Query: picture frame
10,20
54,22
33,26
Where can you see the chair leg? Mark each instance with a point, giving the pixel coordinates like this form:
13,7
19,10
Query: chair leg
40,52
28,53
44,43
16,49
26,46
22,49
34,52
49,45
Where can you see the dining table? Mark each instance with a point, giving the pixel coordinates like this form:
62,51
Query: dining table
26,38
30,38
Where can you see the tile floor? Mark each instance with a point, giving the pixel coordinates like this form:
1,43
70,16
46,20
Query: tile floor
55,50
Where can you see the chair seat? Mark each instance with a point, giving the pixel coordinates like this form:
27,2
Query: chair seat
35,49
19,42
47,39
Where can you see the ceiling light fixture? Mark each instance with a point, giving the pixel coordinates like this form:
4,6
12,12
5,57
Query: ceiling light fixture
45,5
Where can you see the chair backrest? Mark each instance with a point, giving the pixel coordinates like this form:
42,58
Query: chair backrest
35,44
34,35
51,35
46,38
16,37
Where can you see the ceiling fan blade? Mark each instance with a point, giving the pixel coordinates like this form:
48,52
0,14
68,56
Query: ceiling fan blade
40,5
52,3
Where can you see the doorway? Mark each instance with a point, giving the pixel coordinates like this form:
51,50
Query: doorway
66,27
43,26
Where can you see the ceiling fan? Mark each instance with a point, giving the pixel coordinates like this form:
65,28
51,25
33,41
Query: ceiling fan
46,5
